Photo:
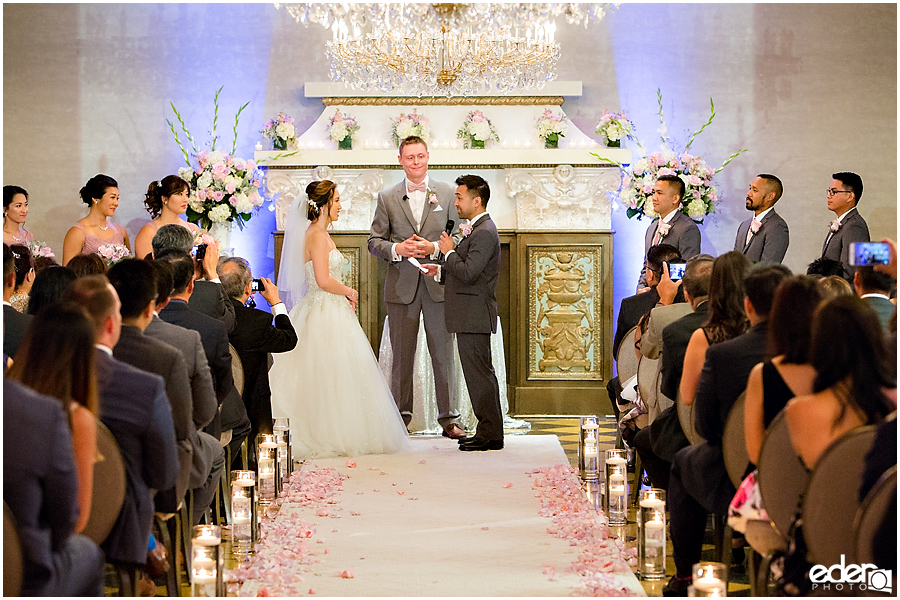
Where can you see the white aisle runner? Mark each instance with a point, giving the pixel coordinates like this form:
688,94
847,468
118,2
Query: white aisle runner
432,522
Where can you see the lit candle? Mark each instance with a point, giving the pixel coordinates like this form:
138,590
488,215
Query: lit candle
582,144
207,539
504,144
320,145
709,584
243,482
386,145
204,563
527,144
367,145
241,520
616,485
258,146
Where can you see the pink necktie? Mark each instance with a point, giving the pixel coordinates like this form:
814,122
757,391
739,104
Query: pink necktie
415,187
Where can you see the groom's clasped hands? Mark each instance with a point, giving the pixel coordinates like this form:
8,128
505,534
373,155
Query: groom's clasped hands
415,247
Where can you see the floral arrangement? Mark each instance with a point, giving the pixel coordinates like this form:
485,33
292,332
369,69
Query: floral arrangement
551,127
613,128
700,196
205,237
40,249
341,129
476,130
411,124
281,131
113,253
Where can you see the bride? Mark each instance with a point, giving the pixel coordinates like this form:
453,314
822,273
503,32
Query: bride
330,385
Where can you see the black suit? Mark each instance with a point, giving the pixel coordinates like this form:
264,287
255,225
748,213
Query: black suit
837,244
14,326
254,336
209,299
134,407
699,483
470,276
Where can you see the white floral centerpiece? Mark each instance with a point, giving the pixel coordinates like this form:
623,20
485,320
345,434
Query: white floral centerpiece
38,248
341,129
411,124
281,131
551,127
113,253
476,130
613,128
700,195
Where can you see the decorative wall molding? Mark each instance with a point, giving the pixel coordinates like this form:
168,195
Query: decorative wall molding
358,189
564,197
445,101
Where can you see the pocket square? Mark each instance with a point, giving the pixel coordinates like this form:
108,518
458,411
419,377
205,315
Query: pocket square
437,208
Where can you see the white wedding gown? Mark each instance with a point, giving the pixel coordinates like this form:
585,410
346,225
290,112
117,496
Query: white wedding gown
330,385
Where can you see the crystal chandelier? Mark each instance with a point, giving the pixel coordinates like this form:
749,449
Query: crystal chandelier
452,49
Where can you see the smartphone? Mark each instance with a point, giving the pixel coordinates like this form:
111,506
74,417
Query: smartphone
868,254
676,270
199,251
257,285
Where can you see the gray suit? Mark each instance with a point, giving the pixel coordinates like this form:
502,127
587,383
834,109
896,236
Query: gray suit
883,307
407,292
769,244
660,317
837,245
683,234
470,276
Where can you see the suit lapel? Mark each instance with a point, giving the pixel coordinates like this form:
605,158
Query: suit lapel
403,200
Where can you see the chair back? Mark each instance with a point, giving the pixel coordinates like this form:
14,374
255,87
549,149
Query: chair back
832,496
109,486
237,370
734,443
686,418
782,476
626,359
13,560
646,380
870,519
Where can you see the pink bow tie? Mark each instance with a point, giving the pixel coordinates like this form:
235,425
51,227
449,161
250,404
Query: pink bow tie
415,187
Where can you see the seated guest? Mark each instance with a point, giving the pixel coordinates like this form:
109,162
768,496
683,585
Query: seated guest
87,264
134,407
833,286
879,459
48,288
24,277
772,383
765,237
203,458
14,322
89,234
699,484
43,262
40,486
658,443
57,359
254,337
875,287
726,319
15,211
849,227
825,267
166,200
207,297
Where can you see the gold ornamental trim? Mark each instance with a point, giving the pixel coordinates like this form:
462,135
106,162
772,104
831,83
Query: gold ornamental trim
437,167
443,101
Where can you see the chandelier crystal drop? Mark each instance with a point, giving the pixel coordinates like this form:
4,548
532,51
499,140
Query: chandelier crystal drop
452,49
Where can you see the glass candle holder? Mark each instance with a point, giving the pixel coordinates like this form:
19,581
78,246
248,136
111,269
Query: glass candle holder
206,562
589,449
616,489
283,425
267,445
283,461
652,534
710,579
244,520
266,459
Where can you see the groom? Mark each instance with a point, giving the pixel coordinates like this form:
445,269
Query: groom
407,216
470,273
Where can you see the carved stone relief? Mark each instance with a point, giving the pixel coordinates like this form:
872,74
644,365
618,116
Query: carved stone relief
358,189
564,197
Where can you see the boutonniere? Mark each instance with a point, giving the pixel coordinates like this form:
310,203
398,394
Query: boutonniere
835,225
663,229
432,197
754,226
465,229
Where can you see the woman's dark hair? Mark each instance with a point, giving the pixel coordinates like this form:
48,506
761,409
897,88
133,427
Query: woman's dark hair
44,262
848,352
157,190
24,262
87,264
48,287
320,193
727,318
56,357
790,320
9,191
96,187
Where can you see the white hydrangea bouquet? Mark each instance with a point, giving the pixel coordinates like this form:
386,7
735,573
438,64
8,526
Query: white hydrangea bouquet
476,130
613,128
551,127
281,131
411,124
700,196
341,129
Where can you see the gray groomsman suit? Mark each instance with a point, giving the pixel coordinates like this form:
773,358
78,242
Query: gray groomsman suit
769,244
837,244
407,292
683,234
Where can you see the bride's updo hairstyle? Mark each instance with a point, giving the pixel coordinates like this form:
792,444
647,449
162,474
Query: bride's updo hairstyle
319,194
157,190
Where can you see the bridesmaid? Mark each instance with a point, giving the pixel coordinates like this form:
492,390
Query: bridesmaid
101,193
15,210
166,201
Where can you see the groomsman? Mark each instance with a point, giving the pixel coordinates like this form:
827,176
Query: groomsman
672,226
765,237
849,227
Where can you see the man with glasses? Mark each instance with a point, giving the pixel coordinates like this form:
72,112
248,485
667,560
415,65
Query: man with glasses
849,227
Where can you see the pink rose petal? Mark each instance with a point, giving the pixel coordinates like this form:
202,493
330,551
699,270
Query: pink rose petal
507,484
311,591
422,462
347,574
321,513
485,528
351,464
